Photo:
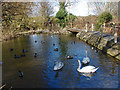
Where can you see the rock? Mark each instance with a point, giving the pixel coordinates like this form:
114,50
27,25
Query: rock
78,34
106,42
118,57
113,52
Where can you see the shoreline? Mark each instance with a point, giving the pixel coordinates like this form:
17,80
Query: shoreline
44,31
104,43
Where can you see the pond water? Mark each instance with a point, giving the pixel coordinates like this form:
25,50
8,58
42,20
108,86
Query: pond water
38,71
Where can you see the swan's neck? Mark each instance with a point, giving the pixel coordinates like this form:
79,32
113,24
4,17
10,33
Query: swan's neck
79,64
86,51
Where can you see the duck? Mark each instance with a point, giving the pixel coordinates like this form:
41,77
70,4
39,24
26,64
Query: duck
35,41
24,50
20,73
11,49
53,44
69,57
56,49
35,55
15,56
58,65
86,69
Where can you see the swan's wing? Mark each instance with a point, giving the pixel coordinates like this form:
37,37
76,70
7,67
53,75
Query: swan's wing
87,69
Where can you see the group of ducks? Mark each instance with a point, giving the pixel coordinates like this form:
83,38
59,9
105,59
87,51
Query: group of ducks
85,61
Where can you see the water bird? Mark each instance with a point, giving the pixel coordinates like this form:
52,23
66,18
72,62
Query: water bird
15,56
86,69
51,36
35,54
58,65
24,50
22,55
35,41
20,73
86,59
69,57
53,44
92,48
11,49
56,49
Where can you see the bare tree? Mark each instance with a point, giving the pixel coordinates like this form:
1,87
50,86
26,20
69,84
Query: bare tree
45,10
99,7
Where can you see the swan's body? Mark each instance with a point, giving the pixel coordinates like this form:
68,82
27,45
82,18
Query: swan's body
85,60
86,69
58,65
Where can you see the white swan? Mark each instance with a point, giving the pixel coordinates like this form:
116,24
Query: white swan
58,65
86,69
86,59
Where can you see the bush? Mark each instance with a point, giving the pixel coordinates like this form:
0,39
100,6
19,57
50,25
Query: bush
97,26
61,14
105,17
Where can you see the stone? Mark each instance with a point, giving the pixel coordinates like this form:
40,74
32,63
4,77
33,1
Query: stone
105,42
118,57
113,52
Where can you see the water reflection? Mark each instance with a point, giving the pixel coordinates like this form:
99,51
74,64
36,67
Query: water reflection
88,74
38,72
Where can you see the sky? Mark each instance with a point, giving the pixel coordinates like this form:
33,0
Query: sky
78,9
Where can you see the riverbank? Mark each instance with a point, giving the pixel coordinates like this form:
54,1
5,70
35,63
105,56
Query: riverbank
44,31
105,43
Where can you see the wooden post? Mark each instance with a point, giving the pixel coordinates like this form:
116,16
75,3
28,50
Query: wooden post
58,25
86,27
104,27
52,24
101,31
92,27
115,35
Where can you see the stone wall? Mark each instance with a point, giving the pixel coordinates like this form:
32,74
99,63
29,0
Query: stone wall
104,42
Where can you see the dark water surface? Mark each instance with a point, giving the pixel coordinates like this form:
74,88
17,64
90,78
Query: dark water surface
38,72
